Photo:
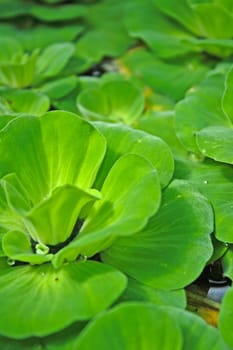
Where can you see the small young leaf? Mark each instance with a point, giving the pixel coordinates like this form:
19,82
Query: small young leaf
130,195
52,220
17,246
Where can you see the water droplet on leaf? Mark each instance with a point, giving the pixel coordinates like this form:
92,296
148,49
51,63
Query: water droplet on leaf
10,262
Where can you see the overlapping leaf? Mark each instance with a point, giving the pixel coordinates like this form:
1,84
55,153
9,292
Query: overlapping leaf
155,256
53,299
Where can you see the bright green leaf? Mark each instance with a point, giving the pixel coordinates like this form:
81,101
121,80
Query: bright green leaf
28,101
53,59
216,142
122,140
60,87
226,317
132,326
136,291
201,108
114,101
227,263
228,95
173,248
52,221
53,299
197,335
17,246
215,182
130,195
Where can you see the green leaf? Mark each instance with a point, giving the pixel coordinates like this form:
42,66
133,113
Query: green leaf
42,35
22,153
228,95
75,151
122,140
28,344
114,101
226,317
197,335
65,12
68,102
165,37
214,180
60,87
173,248
171,79
60,148
42,12
132,326
17,246
131,192
28,101
201,108
213,25
136,291
107,43
161,124
19,71
216,142
227,263
181,12
52,220
130,195
9,47
53,299
53,59
15,193
12,204
65,339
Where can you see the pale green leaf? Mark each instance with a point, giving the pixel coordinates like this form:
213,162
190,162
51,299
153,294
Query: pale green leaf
122,140
17,246
52,220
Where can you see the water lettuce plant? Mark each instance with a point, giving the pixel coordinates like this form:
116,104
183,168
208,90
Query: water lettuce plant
60,209
46,192
112,221
19,69
113,101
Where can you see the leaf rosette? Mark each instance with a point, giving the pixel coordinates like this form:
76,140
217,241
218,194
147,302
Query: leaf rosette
80,210
63,199
20,69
